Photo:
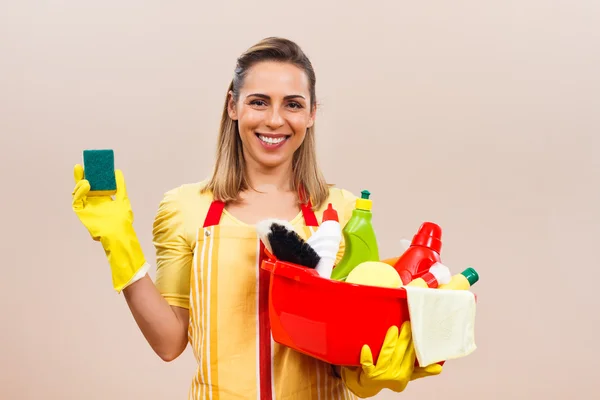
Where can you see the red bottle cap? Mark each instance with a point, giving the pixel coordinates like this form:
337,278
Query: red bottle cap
429,235
429,278
330,214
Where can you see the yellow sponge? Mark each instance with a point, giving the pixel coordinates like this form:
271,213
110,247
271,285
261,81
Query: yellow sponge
375,273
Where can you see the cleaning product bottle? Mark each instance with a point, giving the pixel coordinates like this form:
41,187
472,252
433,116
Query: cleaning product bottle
424,251
359,239
437,275
326,241
462,281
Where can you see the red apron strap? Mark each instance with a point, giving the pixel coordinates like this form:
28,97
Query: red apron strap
309,216
310,219
264,335
213,216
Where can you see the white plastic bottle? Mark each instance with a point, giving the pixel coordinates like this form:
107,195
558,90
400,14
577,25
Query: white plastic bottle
326,241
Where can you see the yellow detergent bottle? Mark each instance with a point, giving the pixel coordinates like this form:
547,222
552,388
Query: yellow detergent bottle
359,239
462,281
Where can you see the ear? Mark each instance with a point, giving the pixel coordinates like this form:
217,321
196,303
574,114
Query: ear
231,106
313,115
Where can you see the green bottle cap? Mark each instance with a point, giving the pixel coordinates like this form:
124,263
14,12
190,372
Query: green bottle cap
365,194
471,275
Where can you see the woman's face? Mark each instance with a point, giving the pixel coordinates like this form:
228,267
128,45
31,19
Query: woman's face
273,113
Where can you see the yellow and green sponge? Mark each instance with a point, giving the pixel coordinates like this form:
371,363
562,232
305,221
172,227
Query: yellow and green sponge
99,170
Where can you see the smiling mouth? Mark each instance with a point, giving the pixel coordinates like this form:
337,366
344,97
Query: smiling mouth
273,140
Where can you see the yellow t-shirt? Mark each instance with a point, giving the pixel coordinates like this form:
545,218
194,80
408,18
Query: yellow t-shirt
181,213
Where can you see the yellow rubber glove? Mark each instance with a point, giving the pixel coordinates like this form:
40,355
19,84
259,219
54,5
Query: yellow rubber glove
110,221
395,366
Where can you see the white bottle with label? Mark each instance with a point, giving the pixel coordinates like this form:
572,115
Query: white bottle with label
326,241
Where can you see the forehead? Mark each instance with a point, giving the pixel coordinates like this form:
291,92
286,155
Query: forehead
276,79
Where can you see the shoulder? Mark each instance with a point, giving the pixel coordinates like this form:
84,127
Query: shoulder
186,202
188,194
342,200
340,196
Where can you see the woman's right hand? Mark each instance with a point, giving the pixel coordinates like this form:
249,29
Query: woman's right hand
110,221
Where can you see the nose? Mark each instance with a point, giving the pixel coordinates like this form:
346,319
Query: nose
274,118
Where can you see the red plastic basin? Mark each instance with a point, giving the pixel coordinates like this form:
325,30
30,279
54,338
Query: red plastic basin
330,320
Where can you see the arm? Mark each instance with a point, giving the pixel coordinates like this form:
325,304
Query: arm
159,310
163,326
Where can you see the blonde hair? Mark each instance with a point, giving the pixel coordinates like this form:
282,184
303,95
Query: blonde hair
229,175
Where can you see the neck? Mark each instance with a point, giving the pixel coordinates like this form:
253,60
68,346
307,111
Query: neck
269,180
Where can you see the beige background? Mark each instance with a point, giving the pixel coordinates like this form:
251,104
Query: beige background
483,118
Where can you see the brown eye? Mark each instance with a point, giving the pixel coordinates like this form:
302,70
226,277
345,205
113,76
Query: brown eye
259,103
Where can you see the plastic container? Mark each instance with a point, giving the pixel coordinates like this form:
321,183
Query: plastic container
424,251
327,319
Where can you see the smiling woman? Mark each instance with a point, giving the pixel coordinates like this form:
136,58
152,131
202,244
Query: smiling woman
210,291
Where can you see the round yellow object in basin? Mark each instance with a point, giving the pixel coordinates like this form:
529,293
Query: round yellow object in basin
375,273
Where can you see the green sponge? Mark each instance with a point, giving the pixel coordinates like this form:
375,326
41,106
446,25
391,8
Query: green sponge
99,170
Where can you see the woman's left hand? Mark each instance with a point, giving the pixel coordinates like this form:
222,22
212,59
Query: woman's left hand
395,366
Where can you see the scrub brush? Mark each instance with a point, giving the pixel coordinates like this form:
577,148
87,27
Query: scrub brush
263,229
281,240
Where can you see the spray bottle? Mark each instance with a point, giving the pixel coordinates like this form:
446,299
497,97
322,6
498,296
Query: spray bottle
424,251
359,239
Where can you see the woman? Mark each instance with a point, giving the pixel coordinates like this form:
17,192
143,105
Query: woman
209,289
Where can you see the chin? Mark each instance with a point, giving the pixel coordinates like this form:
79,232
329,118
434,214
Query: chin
273,162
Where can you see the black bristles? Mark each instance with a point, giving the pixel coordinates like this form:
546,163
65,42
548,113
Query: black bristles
288,246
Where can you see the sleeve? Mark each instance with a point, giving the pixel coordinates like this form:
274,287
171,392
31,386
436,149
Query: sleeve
174,255
348,202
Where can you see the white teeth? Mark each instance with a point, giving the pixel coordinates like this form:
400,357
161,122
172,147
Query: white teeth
271,140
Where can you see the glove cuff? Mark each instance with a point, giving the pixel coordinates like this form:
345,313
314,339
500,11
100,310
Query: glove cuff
138,275
126,260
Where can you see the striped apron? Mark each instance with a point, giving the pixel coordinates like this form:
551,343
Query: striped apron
229,328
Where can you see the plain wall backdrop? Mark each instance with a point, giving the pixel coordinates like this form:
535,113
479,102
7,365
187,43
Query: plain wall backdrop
480,116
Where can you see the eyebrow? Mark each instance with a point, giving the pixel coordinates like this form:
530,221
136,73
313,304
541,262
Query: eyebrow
289,97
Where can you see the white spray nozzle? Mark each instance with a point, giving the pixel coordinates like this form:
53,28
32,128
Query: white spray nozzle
441,272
